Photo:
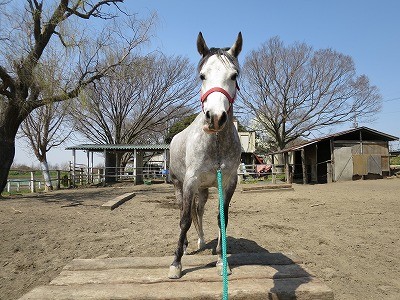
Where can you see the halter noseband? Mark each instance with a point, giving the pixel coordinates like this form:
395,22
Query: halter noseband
220,90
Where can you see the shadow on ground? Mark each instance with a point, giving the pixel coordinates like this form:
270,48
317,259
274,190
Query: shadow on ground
244,252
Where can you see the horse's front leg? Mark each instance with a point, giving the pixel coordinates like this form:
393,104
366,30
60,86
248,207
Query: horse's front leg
229,190
175,270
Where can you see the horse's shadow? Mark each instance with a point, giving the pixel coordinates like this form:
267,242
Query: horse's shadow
246,252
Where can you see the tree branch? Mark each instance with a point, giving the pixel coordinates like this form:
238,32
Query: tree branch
93,11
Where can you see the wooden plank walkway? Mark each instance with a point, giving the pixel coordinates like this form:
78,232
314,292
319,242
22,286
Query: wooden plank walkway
255,276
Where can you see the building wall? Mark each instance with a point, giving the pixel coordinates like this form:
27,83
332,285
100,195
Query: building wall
343,166
352,158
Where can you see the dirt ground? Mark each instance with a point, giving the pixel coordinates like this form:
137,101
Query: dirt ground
348,234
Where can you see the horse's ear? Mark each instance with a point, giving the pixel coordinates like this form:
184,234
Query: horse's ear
201,45
237,46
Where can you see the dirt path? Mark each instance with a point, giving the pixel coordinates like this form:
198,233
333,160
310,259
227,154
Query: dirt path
347,233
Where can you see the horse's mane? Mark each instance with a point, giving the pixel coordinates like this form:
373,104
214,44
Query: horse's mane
219,52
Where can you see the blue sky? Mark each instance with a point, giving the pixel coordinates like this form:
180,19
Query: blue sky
366,30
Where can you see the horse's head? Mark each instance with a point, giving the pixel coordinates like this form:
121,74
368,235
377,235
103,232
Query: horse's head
218,69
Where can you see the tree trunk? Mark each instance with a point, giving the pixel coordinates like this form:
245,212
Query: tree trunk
46,175
10,119
7,150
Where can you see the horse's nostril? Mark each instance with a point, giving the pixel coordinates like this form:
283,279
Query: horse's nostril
208,116
223,119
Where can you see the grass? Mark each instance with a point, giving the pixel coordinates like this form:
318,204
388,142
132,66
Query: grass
395,160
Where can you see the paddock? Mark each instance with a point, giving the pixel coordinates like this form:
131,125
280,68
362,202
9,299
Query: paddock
346,234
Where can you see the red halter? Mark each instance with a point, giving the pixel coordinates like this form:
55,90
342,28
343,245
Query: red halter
220,90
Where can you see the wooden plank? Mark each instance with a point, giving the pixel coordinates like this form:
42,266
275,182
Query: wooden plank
117,201
201,273
267,187
261,258
305,288
254,276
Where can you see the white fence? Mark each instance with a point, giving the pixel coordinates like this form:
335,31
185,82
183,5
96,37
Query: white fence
34,182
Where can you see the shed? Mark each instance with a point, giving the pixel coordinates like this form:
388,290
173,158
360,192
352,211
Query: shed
111,152
352,154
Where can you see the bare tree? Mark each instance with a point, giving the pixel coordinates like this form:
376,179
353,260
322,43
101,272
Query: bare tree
44,128
136,101
26,34
293,90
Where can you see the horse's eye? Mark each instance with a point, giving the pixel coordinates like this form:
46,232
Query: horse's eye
202,76
234,76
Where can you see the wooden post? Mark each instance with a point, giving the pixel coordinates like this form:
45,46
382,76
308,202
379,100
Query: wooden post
332,159
105,168
273,170
73,167
58,185
91,168
303,164
87,168
328,172
135,165
33,187
287,173
165,166
316,162
8,186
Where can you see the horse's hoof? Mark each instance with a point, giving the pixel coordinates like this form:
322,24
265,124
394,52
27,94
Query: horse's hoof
175,272
220,268
200,244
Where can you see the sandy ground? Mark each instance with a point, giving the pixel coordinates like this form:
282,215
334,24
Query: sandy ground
347,233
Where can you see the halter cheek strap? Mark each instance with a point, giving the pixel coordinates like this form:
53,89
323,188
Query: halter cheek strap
220,90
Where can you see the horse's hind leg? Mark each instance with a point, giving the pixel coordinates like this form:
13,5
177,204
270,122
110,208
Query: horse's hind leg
227,199
197,214
178,191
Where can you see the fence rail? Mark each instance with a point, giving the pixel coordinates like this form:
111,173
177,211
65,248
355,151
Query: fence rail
31,181
80,175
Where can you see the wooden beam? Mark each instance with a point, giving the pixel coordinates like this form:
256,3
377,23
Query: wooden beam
117,201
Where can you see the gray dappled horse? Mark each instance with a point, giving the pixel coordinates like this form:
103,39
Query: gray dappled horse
209,143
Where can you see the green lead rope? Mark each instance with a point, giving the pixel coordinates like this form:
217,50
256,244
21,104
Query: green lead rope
223,236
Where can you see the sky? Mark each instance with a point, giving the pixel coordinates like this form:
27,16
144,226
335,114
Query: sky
368,31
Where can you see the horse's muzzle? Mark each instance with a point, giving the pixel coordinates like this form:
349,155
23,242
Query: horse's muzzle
215,122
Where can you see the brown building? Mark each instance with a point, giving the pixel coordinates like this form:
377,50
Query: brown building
356,153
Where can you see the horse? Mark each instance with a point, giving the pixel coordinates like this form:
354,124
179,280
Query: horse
211,142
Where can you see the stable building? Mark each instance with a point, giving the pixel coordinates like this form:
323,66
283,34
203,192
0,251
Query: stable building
353,154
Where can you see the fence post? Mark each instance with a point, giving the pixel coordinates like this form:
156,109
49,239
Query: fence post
81,176
58,186
8,186
33,187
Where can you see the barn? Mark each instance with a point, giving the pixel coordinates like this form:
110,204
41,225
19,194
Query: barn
353,154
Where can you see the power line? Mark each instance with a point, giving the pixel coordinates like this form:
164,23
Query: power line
393,99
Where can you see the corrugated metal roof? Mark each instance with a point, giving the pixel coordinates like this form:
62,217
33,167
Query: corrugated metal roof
382,135
117,147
